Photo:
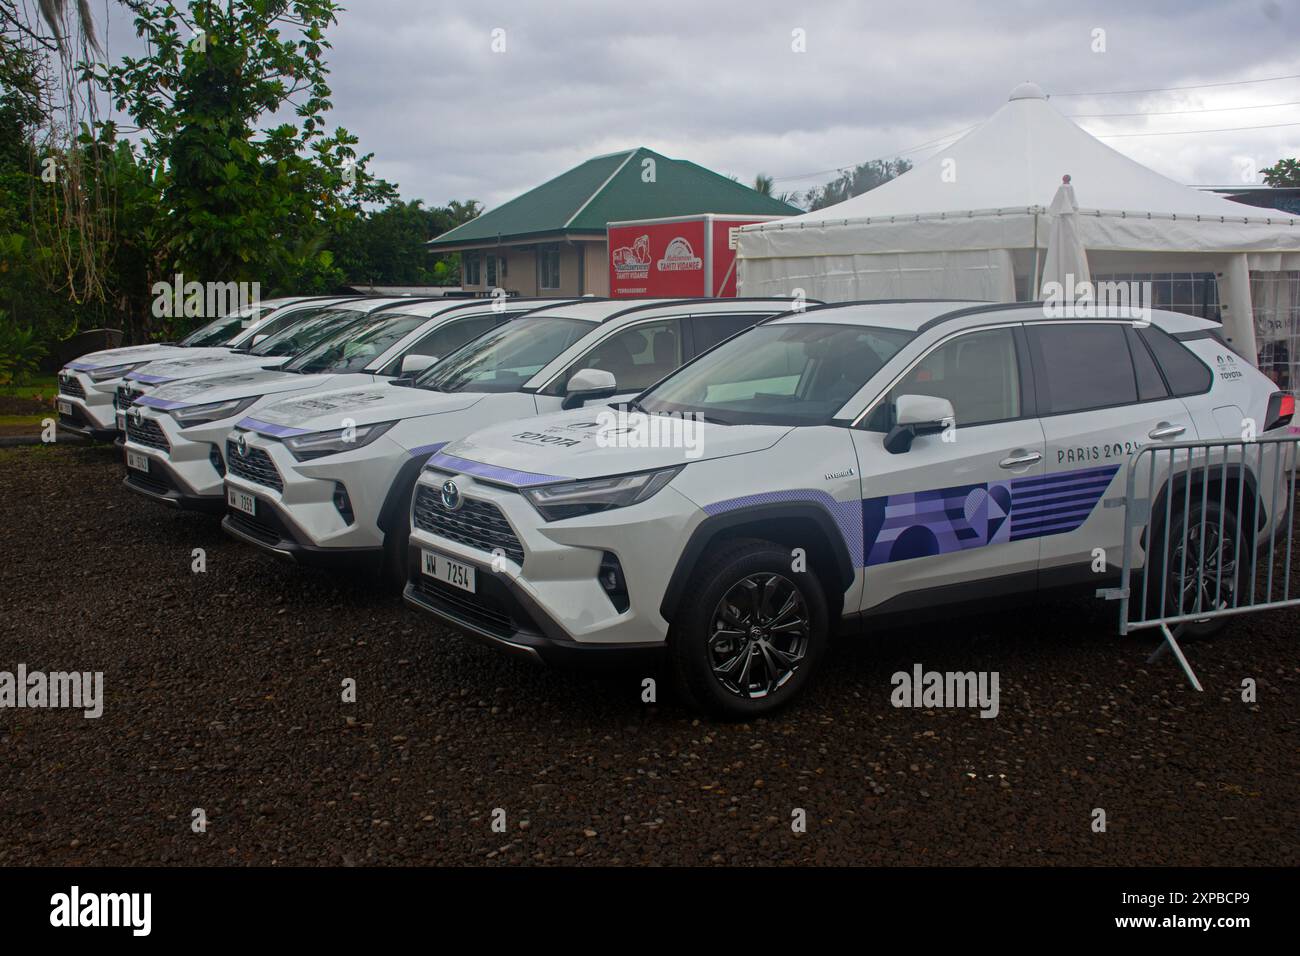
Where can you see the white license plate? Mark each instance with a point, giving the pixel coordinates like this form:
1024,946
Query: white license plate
241,501
443,568
121,422
65,408
136,460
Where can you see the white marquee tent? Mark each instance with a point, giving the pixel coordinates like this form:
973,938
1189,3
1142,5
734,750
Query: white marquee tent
972,220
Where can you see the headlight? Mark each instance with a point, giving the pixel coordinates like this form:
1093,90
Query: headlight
574,498
320,444
114,371
212,412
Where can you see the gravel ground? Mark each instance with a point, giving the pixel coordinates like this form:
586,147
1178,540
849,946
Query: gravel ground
223,692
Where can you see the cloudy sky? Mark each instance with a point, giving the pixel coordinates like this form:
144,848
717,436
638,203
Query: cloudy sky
721,83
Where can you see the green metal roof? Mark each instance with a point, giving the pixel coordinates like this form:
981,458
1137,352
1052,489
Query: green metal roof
609,189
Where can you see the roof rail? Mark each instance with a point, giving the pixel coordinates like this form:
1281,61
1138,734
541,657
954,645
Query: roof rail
662,304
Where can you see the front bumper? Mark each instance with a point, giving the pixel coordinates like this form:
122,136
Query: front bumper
503,615
163,484
89,414
273,531
551,606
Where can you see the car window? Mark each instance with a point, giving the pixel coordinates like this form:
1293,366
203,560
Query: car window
276,324
708,330
506,357
222,330
449,337
352,348
779,374
637,357
304,334
1185,373
978,372
1083,366
1151,386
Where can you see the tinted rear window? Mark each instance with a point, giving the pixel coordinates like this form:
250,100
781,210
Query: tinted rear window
1083,366
1185,373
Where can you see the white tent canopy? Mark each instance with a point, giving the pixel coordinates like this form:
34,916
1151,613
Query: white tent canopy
971,220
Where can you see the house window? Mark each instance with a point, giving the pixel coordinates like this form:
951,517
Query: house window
492,272
470,264
548,266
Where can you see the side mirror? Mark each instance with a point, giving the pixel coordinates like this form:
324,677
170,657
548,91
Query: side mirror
917,415
587,384
413,365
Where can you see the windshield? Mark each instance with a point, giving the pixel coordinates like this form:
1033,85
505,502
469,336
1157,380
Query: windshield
505,358
782,374
352,348
304,333
222,330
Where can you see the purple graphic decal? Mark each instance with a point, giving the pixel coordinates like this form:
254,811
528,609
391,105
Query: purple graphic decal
148,379
847,514
426,449
151,402
505,476
266,428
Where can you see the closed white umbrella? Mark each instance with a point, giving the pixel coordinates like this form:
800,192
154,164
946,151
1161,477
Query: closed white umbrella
1067,260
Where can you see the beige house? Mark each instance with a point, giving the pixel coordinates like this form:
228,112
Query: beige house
551,240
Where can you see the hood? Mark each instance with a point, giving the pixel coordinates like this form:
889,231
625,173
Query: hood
229,386
107,358
595,442
192,366
324,411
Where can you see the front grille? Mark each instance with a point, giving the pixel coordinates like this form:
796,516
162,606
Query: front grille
256,466
71,385
124,397
147,432
476,524
471,607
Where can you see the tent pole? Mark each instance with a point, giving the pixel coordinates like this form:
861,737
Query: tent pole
1034,291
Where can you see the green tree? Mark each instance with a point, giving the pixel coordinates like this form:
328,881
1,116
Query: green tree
1285,172
247,197
388,246
854,182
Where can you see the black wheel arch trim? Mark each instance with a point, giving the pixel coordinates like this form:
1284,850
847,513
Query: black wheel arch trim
710,528
394,508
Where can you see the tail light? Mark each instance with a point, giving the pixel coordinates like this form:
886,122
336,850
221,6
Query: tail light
1281,406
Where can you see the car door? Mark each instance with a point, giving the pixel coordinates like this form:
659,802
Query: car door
449,336
1101,398
939,519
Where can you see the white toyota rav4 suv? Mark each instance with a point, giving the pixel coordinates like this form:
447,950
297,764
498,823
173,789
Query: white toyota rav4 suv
326,479
849,463
176,434
284,330
88,385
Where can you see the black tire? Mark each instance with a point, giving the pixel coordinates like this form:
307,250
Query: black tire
397,541
1216,589
765,639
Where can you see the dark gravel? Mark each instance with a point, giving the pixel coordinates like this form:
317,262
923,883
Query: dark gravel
223,692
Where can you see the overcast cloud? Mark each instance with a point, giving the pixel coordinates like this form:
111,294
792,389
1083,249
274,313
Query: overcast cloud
718,83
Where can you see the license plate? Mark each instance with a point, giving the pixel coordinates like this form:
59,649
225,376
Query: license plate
241,501
65,408
136,460
121,422
443,568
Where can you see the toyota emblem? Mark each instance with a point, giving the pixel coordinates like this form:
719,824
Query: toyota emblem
242,444
136,416
451,499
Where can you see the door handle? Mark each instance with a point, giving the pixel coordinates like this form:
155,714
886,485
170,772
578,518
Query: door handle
1166,430
1020,457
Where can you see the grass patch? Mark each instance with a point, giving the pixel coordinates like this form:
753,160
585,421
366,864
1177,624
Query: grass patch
39,387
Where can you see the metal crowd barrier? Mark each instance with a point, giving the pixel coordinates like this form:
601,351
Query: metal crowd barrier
1213,522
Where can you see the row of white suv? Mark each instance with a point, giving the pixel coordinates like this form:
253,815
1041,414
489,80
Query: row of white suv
726,483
